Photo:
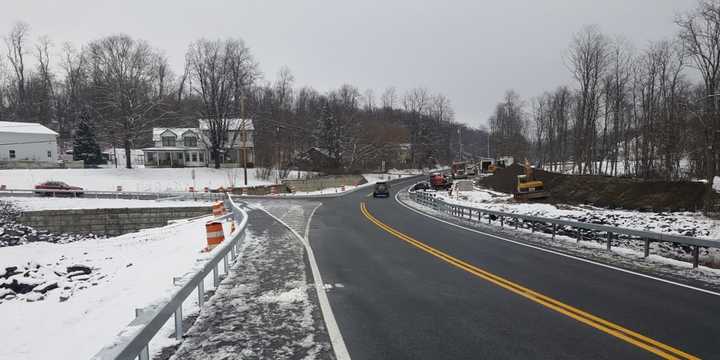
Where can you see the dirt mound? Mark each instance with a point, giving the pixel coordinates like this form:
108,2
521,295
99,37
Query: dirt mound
606,191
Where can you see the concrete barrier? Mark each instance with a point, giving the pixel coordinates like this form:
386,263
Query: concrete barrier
110,222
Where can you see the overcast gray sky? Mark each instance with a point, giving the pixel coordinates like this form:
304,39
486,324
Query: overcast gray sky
471,51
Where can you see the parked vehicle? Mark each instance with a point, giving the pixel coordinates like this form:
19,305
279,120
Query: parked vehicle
439,182
382,189
61,187
528,187
459,170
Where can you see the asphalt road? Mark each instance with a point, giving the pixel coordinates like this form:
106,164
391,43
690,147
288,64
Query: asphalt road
415,288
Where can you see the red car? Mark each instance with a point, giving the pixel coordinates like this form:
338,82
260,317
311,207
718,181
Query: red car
63,189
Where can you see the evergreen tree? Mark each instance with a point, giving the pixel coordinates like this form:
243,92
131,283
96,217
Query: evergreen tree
85,146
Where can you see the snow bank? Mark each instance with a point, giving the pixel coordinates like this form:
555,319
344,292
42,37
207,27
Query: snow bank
138,269
44,203
679,223
716,183
147,179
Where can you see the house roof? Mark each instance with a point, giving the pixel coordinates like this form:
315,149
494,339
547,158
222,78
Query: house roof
24,128
233,124
178,132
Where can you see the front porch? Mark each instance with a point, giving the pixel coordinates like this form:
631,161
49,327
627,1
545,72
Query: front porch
175,157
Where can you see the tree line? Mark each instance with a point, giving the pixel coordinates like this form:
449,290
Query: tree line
119,87
650,113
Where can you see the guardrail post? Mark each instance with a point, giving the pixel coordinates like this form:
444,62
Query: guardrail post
225,262
647,247
145,352
696,256
502,222
216,276
201,293
178,323
579,235
554,231
489,219
516,223
532,225
609,240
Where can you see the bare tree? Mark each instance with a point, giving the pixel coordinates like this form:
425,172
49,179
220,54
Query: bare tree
700,34
369,100
16,43
128,80
221,70
44,105
389,98
588,61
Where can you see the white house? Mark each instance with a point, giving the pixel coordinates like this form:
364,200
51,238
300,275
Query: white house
190,147
22,141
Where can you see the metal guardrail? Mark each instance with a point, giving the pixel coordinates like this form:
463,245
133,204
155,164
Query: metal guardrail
429,199
133,341
139,195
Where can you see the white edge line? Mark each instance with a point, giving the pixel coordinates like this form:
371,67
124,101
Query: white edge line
559,253
338,344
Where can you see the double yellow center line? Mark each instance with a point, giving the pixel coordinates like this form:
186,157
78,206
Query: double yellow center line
662,350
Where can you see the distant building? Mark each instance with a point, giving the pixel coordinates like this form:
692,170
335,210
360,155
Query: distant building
23,141
191,147
116,157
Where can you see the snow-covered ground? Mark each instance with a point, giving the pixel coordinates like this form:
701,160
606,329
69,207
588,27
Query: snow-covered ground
45,203
128,272
679,223
147,179
716,183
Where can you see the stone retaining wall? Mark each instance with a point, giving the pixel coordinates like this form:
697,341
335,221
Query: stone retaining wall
111,222
324,182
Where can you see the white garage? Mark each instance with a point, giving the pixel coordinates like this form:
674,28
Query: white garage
22,141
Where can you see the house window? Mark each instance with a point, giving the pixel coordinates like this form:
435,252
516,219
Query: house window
151,156
187,156
12,154
194,157
202,157
168,141
190,141
49,154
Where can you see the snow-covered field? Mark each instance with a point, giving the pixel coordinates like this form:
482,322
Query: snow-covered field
147,179
44,203
679,223
128,272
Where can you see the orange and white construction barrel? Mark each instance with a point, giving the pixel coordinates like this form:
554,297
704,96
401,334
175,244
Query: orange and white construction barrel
218,209
215,234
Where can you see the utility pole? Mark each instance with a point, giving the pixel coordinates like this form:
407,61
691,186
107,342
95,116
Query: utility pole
488,141
460,141
245,137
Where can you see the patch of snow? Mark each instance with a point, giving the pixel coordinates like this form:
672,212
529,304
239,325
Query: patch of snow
145,179
62,203
139,268
716,183
678,223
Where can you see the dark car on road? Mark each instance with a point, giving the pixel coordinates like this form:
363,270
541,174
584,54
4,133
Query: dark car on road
421,186
46,189
382,189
